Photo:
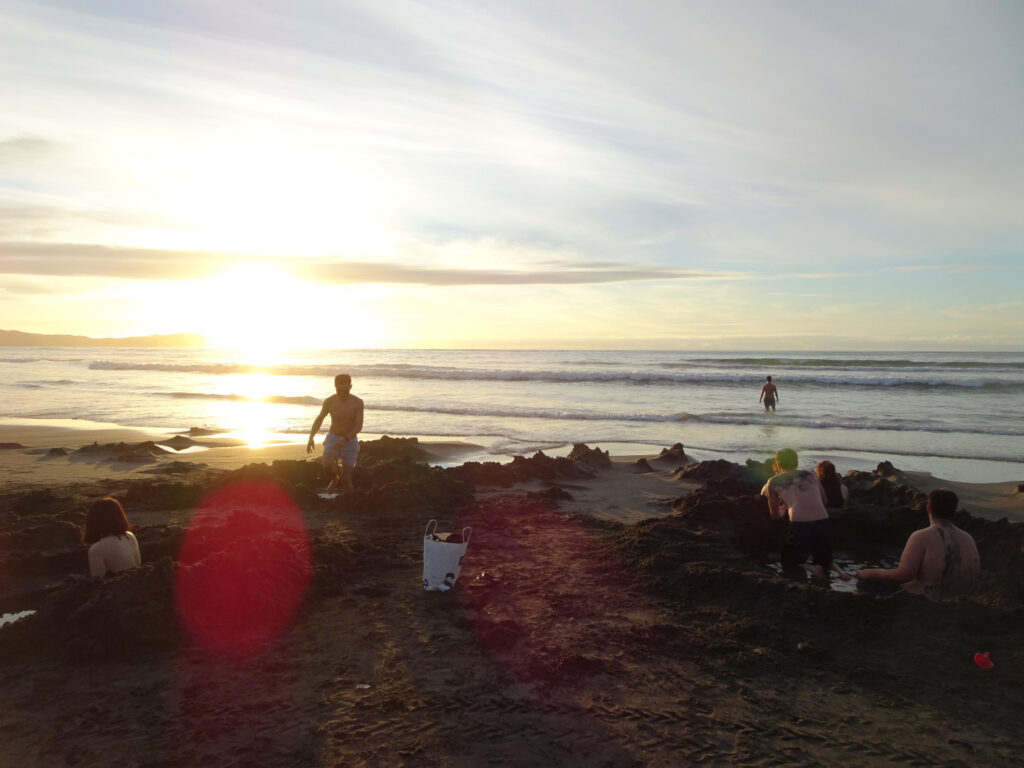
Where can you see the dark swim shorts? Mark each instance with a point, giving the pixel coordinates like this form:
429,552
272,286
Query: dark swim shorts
769,401
808,539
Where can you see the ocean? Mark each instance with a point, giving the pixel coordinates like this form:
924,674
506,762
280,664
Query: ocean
959,415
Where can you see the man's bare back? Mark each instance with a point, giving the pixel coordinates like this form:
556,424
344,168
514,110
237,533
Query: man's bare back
769,394
947,560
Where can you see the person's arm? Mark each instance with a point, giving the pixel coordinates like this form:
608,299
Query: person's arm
910,562
97,567
316,427
761,396
136,555
774,505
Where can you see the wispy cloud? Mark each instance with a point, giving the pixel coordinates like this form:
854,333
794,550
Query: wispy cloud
73,260
24,149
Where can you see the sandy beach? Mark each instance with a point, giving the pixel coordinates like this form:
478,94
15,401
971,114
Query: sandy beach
613,611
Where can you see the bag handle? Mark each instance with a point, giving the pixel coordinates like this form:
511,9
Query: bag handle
426,531
465,536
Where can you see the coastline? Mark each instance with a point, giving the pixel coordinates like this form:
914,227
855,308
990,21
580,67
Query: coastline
49,453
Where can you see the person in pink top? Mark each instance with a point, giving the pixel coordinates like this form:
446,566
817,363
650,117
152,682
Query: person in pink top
797,493
113,547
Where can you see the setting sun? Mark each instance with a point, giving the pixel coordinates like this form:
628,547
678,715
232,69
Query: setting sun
262,311
245,308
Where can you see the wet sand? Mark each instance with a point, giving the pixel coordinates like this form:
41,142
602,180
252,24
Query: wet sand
615,612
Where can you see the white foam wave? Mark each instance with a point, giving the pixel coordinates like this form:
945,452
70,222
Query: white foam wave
277,399
995,383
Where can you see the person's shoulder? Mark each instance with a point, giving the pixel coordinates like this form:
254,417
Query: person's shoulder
962,533
921,537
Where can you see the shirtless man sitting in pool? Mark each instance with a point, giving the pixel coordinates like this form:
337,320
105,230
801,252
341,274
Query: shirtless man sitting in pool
941,560
346,422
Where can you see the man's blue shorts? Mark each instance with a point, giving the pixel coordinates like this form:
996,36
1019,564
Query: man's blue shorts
337,447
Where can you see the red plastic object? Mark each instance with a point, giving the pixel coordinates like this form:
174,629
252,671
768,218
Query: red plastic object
983,661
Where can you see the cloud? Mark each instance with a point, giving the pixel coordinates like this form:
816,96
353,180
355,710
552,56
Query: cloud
86,260
570,274
74,260
34,218
25,149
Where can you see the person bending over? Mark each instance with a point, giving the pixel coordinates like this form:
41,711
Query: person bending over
798,493
113,547
346,423
938,561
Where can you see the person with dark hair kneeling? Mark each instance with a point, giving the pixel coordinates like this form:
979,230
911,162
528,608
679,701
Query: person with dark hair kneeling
114,547
938,561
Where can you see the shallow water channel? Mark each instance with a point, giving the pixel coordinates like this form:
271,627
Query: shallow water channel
849,563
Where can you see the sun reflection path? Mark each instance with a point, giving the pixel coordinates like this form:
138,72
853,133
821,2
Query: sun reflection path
246,568
254,416
258,430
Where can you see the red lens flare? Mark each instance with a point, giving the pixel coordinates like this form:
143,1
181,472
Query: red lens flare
244,568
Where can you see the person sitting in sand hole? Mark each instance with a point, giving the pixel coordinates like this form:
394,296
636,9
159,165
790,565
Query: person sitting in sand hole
113,547
837,495
340,444
938,561
798,493
770,394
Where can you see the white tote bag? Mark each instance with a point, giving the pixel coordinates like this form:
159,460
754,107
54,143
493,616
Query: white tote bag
442,557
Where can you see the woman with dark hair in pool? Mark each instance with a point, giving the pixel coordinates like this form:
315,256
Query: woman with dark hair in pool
837,495
113,547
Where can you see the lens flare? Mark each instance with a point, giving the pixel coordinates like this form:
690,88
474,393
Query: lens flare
244,568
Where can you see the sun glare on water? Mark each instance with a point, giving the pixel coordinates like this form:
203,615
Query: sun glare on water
253,418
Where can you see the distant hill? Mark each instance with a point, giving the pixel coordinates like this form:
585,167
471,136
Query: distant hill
20,339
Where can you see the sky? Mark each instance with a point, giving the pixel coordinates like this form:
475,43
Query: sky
785,174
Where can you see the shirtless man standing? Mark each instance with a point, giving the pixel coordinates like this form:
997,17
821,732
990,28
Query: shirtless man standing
346,422
798,494
938,561
770,395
